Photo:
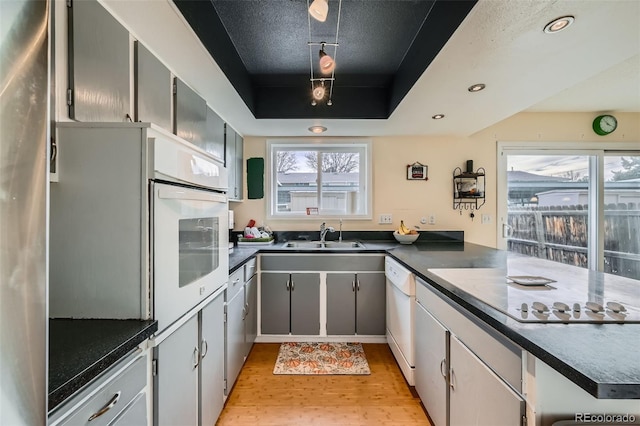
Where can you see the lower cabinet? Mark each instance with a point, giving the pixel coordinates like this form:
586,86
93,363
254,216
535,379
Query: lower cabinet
189,387
356,303
477,395
290,303
431,372
118,397
456,386
241,324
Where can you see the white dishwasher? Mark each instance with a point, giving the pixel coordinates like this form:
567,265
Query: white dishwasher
401,295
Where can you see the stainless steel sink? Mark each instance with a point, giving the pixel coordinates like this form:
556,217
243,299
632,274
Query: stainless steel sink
329,245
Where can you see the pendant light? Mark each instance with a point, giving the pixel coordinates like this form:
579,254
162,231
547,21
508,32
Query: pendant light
327,64
319,10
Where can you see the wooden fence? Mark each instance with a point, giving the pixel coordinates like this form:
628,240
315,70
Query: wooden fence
560,233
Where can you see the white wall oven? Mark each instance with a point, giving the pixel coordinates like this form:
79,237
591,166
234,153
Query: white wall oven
190,251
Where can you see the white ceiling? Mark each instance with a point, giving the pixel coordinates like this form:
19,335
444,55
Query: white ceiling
594,65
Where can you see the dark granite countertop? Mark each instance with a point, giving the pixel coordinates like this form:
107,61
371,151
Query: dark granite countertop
79,350
584,353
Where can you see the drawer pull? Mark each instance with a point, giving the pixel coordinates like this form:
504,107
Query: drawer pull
109,406
452,379
443,368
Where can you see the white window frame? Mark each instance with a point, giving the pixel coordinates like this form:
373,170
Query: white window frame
333,145
595,242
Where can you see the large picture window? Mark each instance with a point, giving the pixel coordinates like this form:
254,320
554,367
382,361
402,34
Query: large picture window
319,179
579,207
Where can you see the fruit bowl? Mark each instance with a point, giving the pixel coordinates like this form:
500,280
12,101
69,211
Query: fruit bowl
405,239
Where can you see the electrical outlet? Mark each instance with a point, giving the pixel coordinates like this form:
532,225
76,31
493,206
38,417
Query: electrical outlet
485,218
423,220
432,219
385,219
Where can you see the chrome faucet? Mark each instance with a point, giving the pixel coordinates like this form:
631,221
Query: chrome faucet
340,237
324,229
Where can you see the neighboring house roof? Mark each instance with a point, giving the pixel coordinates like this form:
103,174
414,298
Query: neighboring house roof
310,178
520,176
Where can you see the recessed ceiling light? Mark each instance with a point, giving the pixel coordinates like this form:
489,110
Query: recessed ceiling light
317,129
438,116
558,24
476,87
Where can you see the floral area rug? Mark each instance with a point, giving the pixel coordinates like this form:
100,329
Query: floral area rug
321,358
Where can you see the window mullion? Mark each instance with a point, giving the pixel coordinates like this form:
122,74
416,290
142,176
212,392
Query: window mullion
595,245
319,182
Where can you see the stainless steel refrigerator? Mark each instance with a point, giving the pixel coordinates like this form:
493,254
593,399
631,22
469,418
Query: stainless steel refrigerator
24,169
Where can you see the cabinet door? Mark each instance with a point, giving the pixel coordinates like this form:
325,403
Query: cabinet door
212,363
229,159
274,303
251,316
477,395
234,339
370,304
214,135
431,340
341,304
176,396
305,304
238,167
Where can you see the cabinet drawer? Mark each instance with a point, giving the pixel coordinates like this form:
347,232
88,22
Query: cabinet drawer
249,269
236,283
119,392
499,353
355,262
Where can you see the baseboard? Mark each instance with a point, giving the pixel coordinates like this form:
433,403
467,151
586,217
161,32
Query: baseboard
289,338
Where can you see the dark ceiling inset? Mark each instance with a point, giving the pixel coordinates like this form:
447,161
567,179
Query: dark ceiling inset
385,46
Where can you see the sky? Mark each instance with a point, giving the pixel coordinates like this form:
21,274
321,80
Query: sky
561,165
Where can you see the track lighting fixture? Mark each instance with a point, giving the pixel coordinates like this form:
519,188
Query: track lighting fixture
319,10
327,64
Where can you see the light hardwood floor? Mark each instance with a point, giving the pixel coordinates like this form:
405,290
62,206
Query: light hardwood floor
262,398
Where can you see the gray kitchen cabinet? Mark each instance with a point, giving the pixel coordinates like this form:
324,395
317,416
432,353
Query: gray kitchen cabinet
117,397
99,84
212,363
152,89
234,332
356,303
234,144
431,372
176,389
290,303
214,135
251,315
241,320
190,114
189,377
477,395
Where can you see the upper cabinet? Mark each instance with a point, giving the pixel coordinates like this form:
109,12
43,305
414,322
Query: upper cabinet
190,114
99,67
152,89
214,135
233,160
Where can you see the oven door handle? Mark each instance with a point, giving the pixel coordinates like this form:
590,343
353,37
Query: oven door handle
185,194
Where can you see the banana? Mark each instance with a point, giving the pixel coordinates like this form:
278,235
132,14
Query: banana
403,230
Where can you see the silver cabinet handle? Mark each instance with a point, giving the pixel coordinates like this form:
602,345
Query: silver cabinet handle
452,380
293,285
353,286
196,357
443,368
244,313
236,281
358,284
205,348
109,406
288,285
